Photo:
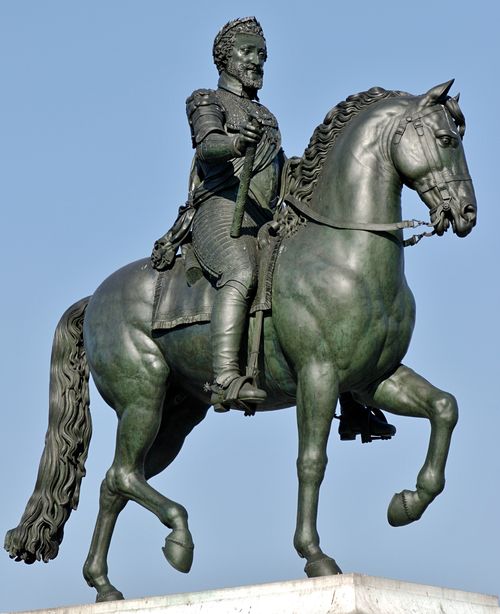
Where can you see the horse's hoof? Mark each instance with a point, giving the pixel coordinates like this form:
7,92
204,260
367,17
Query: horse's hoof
109,595
179,550
324,566
401,510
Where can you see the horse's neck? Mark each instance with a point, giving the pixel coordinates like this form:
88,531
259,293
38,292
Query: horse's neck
359,182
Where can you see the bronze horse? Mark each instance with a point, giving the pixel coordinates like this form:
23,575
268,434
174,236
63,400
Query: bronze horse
341,321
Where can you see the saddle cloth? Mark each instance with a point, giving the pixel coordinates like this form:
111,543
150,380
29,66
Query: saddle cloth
177,303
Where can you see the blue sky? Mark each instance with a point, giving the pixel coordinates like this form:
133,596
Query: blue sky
94,159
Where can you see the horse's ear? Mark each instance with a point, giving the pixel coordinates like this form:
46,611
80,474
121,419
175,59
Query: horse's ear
437,94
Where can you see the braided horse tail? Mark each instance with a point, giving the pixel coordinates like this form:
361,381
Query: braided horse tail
57,488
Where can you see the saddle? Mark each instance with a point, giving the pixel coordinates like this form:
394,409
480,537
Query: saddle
183,295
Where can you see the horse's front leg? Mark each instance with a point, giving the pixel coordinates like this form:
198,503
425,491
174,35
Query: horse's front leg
408,394
317,394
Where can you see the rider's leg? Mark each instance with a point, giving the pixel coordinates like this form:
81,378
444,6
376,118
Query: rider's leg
233,263
359,419
226,328
229,321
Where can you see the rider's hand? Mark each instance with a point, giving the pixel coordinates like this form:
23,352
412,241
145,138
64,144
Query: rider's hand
250,134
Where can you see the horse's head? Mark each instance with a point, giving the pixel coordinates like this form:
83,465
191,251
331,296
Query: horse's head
427,152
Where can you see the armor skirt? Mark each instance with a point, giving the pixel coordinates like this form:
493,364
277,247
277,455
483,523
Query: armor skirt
222,257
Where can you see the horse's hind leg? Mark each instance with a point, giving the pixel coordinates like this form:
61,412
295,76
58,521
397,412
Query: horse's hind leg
136,391
179,419
180,415
408,394
95,570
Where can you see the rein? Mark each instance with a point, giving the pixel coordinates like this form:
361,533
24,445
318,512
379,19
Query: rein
303,208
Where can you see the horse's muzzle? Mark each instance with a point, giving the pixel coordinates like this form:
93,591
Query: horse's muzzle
458,210
463,220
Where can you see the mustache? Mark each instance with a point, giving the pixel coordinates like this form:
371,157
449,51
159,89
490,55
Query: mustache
258,70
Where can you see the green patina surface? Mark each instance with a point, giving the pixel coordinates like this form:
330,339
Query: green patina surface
341,323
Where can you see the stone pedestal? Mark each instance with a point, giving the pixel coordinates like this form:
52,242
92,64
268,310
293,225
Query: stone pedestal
345,594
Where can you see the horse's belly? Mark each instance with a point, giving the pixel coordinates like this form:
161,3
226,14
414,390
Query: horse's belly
187,351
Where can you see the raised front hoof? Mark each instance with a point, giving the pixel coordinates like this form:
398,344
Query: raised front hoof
324,566
179,550
404,508
111,594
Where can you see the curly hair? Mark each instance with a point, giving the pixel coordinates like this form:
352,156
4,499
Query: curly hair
62,466
224,40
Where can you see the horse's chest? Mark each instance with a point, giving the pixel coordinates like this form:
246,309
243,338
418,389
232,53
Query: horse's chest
361,327
382,341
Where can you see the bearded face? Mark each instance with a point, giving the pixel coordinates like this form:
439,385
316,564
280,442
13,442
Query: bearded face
249,76
246,60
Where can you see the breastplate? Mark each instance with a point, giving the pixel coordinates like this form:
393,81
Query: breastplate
238,110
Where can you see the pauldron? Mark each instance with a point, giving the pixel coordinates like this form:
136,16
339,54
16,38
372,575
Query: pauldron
205,115
222,112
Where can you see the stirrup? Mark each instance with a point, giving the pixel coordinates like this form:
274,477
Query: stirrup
240,393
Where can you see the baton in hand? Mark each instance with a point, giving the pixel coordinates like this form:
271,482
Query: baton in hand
241,199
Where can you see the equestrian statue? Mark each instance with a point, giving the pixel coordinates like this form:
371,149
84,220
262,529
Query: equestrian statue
281,283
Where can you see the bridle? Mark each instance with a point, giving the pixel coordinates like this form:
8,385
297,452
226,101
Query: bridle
439,178
440,181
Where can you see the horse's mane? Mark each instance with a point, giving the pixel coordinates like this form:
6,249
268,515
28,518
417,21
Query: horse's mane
303,172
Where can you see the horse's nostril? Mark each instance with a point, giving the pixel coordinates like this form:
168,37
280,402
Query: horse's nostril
469,212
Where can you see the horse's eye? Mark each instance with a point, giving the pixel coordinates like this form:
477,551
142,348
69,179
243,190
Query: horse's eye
446,140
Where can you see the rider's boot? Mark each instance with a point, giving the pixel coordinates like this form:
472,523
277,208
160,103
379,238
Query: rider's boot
357,419
229,317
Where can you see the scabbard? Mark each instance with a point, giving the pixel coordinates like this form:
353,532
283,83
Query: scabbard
241,199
